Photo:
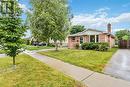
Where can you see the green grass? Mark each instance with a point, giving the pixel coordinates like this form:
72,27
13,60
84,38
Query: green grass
32,73
29,47
93,60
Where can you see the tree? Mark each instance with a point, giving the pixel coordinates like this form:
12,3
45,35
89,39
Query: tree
77,28
120,34
40,21
125,37
61,19
11,31
49,20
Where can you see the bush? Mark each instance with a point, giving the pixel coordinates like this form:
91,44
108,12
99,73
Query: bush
84,46
77,46
51,45
95,46
89,46
103,46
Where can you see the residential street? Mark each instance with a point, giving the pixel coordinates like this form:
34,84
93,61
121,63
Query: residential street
119,65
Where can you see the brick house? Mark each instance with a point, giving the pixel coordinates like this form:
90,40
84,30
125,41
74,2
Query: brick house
92,35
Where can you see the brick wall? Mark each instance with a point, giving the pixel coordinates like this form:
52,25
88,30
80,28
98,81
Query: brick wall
72,43
102,38
112,42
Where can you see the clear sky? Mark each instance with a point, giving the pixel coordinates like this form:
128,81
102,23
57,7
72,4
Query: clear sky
97,13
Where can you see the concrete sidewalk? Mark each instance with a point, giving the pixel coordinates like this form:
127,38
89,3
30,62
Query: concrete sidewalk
35,51
89,78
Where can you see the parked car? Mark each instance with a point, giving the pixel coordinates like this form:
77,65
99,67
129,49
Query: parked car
35,43
39,44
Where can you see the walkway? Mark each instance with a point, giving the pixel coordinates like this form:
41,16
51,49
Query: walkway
119,65
89,78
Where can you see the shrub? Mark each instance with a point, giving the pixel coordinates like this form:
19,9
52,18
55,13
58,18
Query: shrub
95,46
77,46
51,45
89,46
103,46
84,46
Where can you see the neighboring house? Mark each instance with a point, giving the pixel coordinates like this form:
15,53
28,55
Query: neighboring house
61,44
35,42
92,35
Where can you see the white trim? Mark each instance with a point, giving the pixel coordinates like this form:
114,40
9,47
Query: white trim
95,38
83,39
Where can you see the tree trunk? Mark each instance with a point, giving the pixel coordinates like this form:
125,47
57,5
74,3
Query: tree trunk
48,42
14,65
56,45
13,60
61,44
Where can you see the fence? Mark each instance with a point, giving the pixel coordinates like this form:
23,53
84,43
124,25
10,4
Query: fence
124,44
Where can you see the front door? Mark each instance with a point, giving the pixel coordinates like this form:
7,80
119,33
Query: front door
81,40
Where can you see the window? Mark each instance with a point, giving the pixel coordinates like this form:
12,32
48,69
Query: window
81,40
92,38
73,38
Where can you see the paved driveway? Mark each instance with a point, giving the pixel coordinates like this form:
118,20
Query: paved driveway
119,65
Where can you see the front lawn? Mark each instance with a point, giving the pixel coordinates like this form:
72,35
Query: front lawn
93,60
29,47
31,73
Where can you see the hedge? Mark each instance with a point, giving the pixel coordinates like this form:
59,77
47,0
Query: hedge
95,46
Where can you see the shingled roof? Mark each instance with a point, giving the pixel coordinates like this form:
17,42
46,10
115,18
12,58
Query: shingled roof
90,32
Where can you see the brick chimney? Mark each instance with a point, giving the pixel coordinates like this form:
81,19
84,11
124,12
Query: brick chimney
109,28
